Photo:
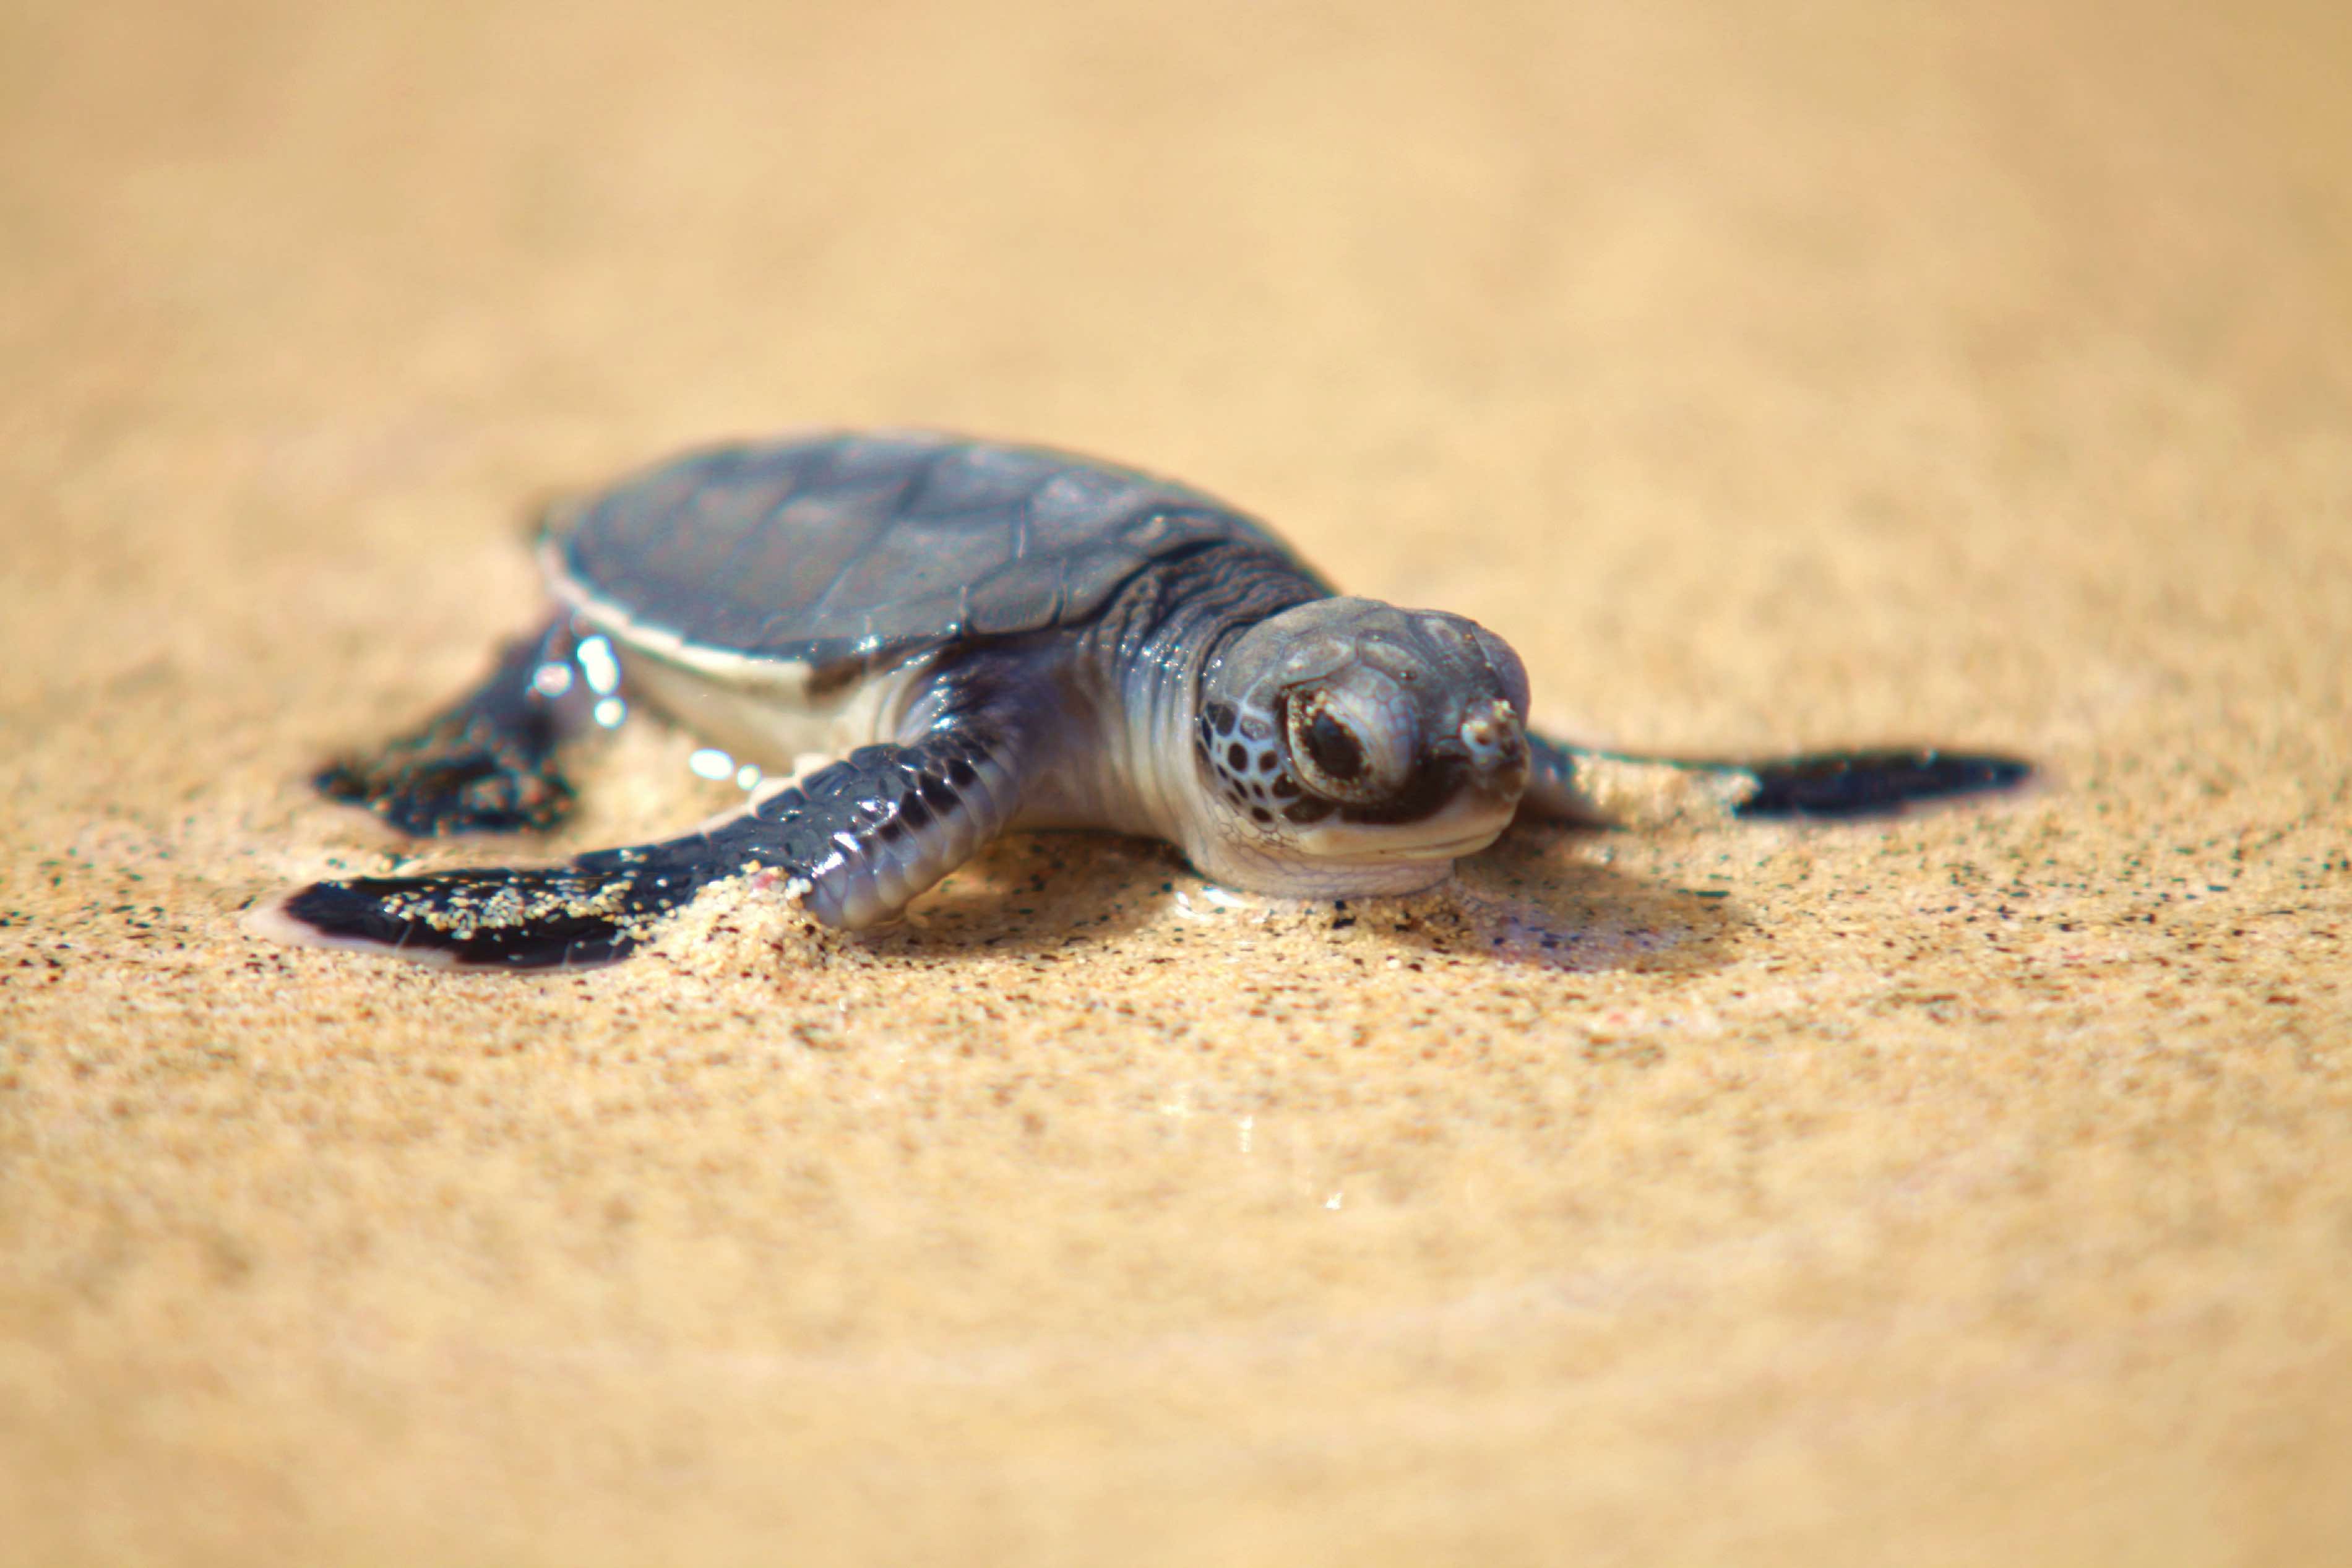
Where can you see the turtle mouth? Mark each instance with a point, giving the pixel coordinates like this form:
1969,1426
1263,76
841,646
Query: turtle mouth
1441,849
1464,827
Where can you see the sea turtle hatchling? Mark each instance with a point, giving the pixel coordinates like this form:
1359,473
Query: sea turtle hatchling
990,636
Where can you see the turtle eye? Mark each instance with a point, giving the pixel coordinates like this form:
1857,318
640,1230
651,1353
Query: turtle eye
1337,754
1343,753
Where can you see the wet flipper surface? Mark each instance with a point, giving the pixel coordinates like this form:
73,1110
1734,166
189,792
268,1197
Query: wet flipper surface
552,918
1578,783
486,765
1879,782
853,845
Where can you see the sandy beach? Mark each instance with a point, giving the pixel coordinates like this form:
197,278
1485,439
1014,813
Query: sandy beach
1974,1186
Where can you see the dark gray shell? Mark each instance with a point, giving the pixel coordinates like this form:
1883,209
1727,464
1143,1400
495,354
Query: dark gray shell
818,548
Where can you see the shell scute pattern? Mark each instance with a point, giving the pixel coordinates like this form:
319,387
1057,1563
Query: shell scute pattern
821,549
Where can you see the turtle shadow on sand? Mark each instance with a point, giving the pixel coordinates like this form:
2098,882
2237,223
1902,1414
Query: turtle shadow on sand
1523,903
1029,894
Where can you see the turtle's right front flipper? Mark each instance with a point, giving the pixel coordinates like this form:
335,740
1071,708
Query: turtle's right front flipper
854,845
555,917
486,765
1578,783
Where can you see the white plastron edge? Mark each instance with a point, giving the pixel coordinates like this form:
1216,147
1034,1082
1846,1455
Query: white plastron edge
784,678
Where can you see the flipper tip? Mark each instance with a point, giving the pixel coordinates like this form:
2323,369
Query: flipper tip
354,918
330,915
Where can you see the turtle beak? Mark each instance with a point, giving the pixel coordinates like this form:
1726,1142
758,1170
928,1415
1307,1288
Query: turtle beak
1496,743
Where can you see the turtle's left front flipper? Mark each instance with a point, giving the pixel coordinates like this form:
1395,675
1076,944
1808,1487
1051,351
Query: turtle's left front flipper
854,845
1874,783
1578,783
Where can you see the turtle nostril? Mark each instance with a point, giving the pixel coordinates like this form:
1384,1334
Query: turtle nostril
1492,734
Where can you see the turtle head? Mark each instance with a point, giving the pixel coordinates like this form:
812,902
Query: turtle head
1348,746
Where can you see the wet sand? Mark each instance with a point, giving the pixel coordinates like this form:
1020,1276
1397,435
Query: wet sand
1970,1186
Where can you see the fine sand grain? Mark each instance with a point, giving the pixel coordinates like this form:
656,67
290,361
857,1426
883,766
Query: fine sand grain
1976,1187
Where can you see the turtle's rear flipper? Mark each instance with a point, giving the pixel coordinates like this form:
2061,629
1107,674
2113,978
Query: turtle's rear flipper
1577,784
486,765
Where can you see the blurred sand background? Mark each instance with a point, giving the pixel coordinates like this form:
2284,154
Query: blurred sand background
1971,1188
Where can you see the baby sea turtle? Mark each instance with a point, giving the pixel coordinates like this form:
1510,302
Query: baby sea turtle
990,636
